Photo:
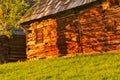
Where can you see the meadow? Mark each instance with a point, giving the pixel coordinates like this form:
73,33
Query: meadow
84,67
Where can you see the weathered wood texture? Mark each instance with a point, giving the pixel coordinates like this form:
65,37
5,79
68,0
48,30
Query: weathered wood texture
100,30
90,30
41,39
3,49
16,48
13,49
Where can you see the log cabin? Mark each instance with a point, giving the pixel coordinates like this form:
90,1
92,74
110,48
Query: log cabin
13,48
71,27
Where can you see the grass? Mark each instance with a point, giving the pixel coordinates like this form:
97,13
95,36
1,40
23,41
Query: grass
91,67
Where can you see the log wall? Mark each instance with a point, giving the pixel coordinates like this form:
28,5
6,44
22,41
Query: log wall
13,49
68,35
3,49
86,31
41,39
100,30
17,48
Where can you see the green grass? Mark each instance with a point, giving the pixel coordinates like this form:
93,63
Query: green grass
91,67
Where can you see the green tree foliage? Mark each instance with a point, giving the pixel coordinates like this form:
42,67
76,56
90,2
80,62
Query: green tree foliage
10,13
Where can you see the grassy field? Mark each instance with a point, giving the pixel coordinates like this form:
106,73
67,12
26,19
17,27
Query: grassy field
92,67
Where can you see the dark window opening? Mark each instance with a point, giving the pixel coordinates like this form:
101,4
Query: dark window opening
39,35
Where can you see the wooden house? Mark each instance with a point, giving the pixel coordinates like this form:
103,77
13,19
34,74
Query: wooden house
70,27
13,49
17,46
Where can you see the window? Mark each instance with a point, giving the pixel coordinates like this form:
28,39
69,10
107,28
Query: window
39,35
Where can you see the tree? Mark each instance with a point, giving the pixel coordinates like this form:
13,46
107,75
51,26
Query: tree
10,13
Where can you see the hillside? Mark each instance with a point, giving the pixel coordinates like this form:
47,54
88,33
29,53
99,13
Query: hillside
92,67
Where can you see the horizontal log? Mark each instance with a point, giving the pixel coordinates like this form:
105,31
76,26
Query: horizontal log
14,52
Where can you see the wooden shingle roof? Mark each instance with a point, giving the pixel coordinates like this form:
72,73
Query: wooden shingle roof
49,7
